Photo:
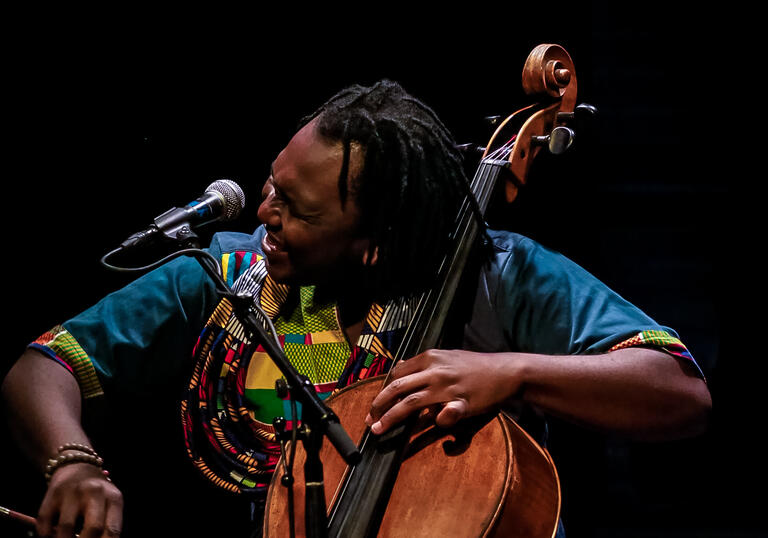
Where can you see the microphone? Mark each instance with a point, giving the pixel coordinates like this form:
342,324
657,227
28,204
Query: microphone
222,200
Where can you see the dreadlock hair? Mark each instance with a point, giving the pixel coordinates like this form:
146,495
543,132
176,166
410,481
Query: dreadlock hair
410,185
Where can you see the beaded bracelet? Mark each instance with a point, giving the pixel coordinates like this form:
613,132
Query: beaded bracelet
78,447
84,454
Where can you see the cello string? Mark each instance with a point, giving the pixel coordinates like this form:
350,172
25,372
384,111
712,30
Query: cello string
481,187
406,343
498,154
480,181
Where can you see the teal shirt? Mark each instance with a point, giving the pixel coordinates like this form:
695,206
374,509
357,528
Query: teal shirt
533,299
529,299
142,335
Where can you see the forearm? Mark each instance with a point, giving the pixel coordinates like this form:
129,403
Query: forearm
638,392
43,405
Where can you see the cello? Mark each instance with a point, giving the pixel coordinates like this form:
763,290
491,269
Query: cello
413,479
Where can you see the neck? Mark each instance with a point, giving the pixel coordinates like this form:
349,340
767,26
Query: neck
351,293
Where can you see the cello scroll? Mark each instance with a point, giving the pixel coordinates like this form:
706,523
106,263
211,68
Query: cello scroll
549,76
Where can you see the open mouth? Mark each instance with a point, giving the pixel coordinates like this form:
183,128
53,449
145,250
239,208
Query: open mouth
270,244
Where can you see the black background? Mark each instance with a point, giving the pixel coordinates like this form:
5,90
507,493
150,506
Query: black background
111,124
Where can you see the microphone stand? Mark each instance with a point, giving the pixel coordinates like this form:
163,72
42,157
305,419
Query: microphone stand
318,420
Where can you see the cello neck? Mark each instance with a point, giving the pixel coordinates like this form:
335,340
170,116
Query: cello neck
365,493
549,75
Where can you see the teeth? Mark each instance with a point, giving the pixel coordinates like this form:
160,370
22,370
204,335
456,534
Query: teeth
270,241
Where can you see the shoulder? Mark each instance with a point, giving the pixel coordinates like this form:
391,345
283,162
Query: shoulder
515,255
230,242
515,243
518,256
555,304
531,275
237,252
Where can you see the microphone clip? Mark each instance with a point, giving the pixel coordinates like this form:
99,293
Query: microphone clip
173,225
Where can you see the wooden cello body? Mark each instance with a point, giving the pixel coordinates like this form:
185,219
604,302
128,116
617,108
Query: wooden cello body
486,476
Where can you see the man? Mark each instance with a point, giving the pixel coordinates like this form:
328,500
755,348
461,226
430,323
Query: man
356,214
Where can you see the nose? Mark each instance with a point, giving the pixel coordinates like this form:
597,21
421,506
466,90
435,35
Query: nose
268,212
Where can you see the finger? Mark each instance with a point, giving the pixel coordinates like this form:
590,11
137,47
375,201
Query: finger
401,410
114,522
45,516
68,515
394,392
407,367
93,522
452,412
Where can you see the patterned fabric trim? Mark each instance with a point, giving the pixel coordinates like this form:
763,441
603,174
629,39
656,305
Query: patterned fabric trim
661,340
218,431
231,400
61,346
383,326
273,296
234,264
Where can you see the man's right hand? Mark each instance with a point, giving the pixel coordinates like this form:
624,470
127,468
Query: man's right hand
80,500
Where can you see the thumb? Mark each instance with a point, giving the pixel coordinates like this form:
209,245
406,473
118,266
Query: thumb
451,413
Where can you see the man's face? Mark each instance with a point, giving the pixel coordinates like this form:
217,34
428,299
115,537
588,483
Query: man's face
310,235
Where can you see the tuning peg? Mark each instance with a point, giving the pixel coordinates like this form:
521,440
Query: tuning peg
492,120
559,140
585,109
580,112
470,148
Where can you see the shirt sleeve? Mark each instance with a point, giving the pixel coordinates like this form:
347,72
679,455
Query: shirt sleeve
549,304
139,336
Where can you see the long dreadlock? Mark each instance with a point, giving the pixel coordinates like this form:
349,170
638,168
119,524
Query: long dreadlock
411,183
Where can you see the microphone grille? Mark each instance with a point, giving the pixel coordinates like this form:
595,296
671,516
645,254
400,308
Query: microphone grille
234,199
